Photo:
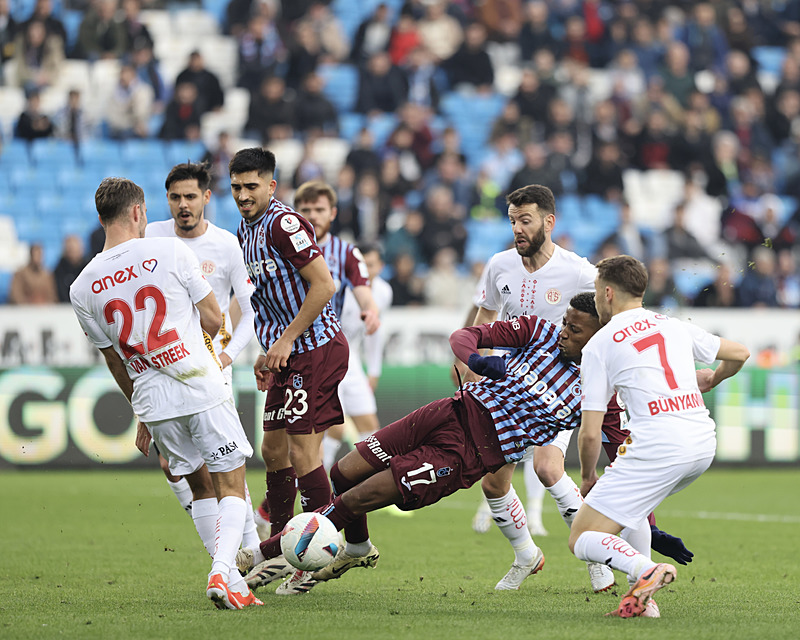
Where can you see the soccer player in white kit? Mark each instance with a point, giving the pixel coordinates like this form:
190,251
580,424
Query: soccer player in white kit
188,192
150,311
649,360
537,277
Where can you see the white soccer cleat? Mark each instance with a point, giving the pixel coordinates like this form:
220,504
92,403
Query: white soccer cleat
299,582
651,610
482,521
245,559
536,528
516,575
263,527
601,576
344,562
268,571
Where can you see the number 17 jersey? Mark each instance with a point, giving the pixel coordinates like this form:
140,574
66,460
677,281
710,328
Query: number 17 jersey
139,298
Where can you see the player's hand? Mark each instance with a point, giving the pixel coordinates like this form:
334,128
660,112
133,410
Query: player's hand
278,355
705,379
493,367
261,373
373,382
669,546
371,320
143,438
225,360
588,482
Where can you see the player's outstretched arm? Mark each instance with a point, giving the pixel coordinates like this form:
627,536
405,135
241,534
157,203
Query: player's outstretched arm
590,440
732,356
210,314
117,368
370,313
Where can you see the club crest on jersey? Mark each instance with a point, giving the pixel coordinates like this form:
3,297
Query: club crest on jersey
208,267
290,223
150,265
297,381
444,471
553,296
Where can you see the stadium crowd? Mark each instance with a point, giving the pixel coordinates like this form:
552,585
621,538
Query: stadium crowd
667,130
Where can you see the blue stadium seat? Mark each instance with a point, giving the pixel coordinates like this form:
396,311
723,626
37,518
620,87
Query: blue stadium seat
15,153
5,285
381,127
178,151
72,19
485,238
568,212
350,124
143,152
341,85
100,152
48,153
769,59
218,9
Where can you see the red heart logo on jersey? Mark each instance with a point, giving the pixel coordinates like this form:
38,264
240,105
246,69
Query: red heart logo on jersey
150,264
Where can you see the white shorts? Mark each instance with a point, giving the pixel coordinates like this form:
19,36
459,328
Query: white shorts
355,394
631,488
214,437
561,441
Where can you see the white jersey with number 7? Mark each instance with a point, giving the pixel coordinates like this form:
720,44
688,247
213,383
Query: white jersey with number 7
139,297
649,359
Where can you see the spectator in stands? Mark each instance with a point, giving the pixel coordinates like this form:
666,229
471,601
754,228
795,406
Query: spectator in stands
486,198
443,224
362,155
403,40
751,131
626,77
393,184
692,146
536,31
561,148
536,170
652,147
788,280
182,117
603,174
406,285
72,122
305,54
210,96
737,31
661,289
142,59
449,170
784,110
382,87
629,238
470,65
271,113
39,57
758,287
426,81
43,12
502,18
237,16
648,50
8,32
136,32
740,74
605,123
314,113
723,173
100,35
309,168
261,52
70,264
678,76
327,30
33,283
401,145
680,242
533,98
32,123
502,160
403,236
439,32
372,35
218,157
366,216
444,285
416,118
721,292
129,107
706,41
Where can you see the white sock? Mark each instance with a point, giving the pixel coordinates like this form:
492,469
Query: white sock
356,549
249,535
330,446
183,492
204,514
605,548
639,538
509,514
534,489
230,525
568,498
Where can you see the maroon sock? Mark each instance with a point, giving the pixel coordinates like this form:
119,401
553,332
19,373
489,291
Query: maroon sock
355,531
271,548
281,492
315,490
340,515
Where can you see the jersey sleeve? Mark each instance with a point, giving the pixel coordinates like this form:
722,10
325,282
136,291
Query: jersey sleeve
293,237
89,324
487,296
586,276
480,289
188,268
705,345
596,387
242,288
506,333
355,269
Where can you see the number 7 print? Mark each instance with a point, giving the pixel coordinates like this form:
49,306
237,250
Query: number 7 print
657,340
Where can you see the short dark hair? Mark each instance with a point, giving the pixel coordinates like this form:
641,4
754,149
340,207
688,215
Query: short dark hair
253,159
312,190
369,247
533,194
584,302
199,171
115,196
624,272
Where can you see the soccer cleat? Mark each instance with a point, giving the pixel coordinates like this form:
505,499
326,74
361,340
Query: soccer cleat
634,603
263,527
651,610
267,572
299,582
482,521
517,573
536,528
344,562
601,576
245,559
223,598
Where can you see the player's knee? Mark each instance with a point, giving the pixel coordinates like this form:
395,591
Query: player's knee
494,487
549,470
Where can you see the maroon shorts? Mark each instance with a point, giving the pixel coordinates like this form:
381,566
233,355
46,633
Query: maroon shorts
303,398
429,452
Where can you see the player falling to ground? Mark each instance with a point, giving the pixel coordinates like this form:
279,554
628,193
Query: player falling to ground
524,398
188,193
146,305
305,352
649,360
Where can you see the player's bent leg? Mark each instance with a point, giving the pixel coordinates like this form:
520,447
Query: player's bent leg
534,491
312,479
177,484
493,485
366,424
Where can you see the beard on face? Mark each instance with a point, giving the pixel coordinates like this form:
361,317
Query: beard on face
534,244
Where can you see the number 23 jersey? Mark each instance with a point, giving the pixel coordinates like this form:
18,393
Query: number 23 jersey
139,297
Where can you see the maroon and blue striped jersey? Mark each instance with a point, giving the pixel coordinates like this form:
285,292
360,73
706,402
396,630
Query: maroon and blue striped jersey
346,266
275,248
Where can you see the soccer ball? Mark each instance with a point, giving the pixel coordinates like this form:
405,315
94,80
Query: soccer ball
309,541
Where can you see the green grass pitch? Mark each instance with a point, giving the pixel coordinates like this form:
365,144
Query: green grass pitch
109,554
